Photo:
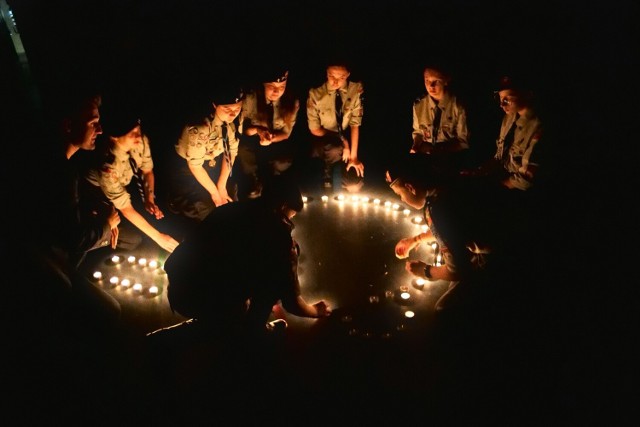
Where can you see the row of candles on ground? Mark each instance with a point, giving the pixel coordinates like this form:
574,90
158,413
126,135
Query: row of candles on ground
142,262
126,283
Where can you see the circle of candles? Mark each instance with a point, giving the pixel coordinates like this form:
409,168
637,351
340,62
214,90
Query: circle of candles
131,259
325,198
114,280
153,290
153,264
142,261
137,287
409,314
115,259
97,275
125,283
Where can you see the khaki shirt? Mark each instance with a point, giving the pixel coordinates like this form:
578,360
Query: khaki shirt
321,109
520,155
113,177
280,121
200,143
453,121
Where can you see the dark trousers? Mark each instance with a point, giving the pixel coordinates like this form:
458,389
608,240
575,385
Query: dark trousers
328,149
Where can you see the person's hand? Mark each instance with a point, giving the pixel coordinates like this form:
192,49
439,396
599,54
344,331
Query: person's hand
153,209
416,268
224,195
322,309
167,242
357,165
265,137
217,200
115,232
404,247
346,151
114,218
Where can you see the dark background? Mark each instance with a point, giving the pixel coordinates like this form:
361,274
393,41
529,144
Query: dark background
579,57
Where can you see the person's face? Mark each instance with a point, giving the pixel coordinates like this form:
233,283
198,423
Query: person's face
274,90
127,141
510,102
337,77
85,130
435,83
228,112
408,194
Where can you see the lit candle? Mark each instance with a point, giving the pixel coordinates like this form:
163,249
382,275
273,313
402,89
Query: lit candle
115,259
387,204
376,201
434,246
114,280
405,295
396,206
142,261
417,220
97,275
355,199
153,290
325,199
341,197
137,287
406,212
125,283
409,314
419,283
365,199
131,259
153,264
304,199
424,228
374,299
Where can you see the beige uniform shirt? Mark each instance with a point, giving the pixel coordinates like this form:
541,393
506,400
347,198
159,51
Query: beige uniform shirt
453,121
201,143
280,121
321,109
114,177
527,134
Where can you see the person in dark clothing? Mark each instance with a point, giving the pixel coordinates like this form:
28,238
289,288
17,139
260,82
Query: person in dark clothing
240,261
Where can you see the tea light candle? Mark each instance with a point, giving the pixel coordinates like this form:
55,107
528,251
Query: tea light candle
153,264
142,261
153,290
131,259
137,287
97,275
115,259
341,197
376,201
395,206
114,280
304,199
125,283
387,204
325,199
406,212
409,314
365,199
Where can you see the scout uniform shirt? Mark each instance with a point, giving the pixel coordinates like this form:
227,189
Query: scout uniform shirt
453,121
321,110
519,156
280,122
203,143
114,176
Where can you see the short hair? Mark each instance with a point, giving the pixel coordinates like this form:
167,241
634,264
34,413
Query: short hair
283,190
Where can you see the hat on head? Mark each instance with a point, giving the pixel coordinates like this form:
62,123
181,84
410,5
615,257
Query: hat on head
227,95
277,75
120,121
511,82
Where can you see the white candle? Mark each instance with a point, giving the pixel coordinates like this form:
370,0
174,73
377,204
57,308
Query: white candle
325,199
97,275
406,212
365,199
153,263
137,287
131,259
153,290
142,261
376,201
125,283
114,280
409,314
115,259
405,295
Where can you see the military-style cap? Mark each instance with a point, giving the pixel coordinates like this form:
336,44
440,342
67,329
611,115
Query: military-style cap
275,76
120,121
227,95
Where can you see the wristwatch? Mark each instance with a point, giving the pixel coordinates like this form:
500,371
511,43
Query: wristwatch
427,272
